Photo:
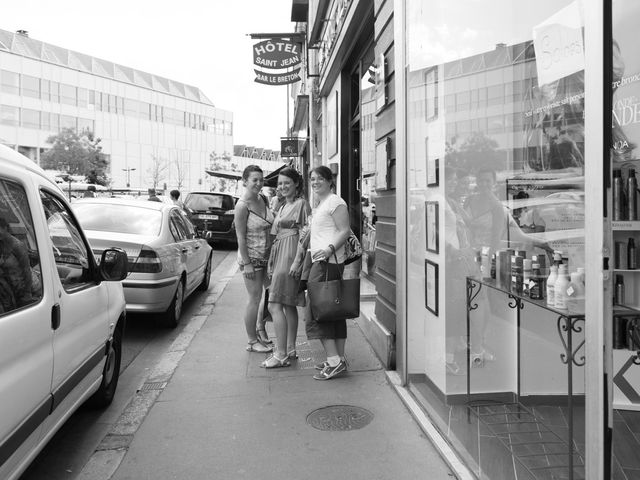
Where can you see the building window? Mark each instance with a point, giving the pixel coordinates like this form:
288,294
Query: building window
85,125
30,118
68,94
10,82
30,86
54,92
83,97
50,121
67,121
9,115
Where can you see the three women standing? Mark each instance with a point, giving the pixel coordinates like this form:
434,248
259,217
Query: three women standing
253,222
284,294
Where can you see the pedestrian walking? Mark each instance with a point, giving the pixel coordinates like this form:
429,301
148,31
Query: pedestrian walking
253,221
152,195
329,230
175,198
284,293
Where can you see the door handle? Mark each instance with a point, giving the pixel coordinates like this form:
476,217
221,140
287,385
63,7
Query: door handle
55,316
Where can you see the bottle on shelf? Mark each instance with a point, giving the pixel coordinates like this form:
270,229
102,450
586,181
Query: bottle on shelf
526,275
580,270
632,195
557,257
631,255
536,283
485,263
551,281
621,255
619,290
560,288
575,293
618,196
493,266
516,274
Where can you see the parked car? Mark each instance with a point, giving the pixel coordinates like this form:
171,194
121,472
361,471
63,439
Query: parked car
62,314
167,260
212,214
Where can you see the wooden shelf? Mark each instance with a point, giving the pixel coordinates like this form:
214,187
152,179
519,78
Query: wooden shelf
626,270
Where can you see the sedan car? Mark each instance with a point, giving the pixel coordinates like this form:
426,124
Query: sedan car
212,214
167,260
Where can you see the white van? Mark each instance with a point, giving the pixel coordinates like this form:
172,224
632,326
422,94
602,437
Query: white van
61,314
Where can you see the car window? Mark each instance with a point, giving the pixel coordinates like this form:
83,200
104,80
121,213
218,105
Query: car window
203,201
177,228
20,271
188,226
69,250
108,217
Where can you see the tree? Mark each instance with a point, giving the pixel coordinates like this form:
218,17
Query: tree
77,154
477,151
157,170
221,162
181,171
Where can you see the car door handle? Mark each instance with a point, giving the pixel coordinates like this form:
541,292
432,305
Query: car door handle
55,316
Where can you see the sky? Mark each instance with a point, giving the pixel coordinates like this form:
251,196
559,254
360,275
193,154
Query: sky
203,43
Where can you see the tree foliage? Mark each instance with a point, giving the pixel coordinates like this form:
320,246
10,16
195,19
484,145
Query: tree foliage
477,151
157,170
77,154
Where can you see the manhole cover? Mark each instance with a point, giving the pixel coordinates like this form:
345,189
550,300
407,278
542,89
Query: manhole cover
339,418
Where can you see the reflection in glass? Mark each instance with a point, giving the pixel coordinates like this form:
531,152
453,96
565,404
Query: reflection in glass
118,218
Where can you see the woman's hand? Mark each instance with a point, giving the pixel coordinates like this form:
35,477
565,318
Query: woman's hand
322,255
296,269
248,271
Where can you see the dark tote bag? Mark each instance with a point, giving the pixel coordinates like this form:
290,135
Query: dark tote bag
333,300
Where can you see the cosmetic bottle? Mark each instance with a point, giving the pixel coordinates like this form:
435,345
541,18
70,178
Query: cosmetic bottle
516,274
632,263
551,281
485,263
618,194
527,267
493,266
632,196
560,288
619,290
536,283
575,293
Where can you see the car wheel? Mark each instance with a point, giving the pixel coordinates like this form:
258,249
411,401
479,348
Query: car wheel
173,313
107,390
204,286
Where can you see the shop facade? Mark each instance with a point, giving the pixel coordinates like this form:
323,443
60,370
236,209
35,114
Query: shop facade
484,133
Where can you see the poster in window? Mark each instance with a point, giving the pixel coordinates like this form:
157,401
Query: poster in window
431,222
431,286
332,124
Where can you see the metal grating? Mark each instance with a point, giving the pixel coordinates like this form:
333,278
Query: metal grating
536,447
339,418
153,386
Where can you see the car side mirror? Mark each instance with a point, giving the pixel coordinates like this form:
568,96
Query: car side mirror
113,265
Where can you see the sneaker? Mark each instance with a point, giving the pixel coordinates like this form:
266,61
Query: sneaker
329,372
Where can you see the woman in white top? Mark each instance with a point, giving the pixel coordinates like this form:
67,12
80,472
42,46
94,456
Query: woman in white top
328,233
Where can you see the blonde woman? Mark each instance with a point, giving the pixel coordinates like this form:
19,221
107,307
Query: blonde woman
253,221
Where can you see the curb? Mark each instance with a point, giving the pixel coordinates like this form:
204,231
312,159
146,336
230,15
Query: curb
447,453
109,454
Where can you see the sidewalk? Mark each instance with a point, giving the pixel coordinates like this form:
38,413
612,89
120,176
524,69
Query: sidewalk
221,416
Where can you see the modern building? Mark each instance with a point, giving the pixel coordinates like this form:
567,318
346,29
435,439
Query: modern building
484,130
150,126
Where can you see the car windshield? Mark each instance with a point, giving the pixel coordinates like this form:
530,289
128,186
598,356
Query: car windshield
118,218
197,201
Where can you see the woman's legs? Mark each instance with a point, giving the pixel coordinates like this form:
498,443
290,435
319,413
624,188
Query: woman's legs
291,313
254,289
277,311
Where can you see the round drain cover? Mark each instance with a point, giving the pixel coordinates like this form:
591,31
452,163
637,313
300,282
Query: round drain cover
339,418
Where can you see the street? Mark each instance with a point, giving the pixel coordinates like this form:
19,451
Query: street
144,342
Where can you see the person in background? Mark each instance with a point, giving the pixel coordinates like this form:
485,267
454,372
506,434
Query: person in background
90,192
277,201
152,196
284,295
329,230
175,198
253,221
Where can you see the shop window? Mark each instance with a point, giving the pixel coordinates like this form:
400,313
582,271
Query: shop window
9,115
30,118
30,86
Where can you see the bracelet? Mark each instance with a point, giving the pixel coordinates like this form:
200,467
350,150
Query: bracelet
333,249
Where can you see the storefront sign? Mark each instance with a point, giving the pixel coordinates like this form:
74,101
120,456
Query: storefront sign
277,78
289,147
558,45
276,54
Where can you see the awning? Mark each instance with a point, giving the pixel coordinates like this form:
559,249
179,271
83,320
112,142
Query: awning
225,174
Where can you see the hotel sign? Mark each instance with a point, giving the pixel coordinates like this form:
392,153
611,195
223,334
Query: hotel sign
276,54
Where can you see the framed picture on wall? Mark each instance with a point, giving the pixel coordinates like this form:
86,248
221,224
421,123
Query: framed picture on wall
431,286
433,172
332,123
431,224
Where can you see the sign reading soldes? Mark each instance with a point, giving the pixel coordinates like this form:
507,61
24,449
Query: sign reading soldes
276,54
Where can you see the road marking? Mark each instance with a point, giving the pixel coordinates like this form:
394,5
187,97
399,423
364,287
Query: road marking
109,454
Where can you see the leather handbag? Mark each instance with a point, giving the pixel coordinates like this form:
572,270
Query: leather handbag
333,300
